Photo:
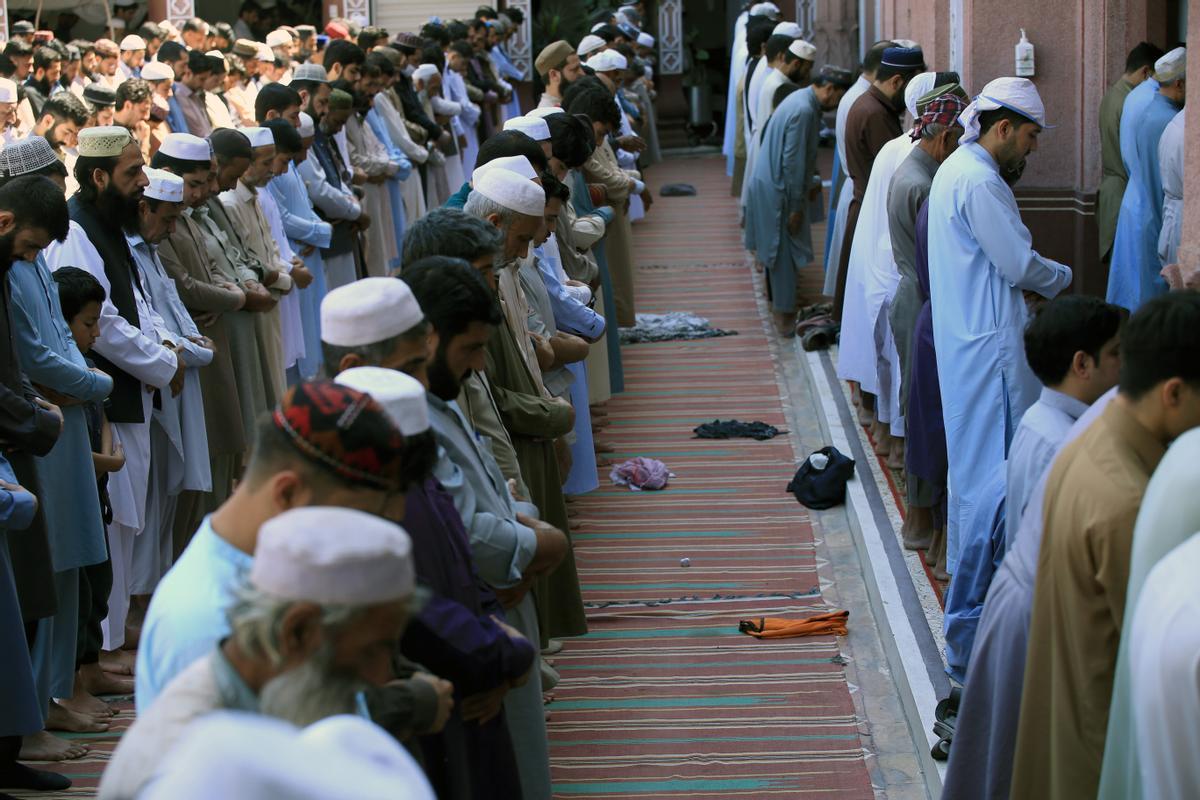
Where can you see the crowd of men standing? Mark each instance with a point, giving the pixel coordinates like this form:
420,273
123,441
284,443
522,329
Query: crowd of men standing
1040,432
309,333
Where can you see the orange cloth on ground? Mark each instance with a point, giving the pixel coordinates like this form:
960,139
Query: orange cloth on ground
833,623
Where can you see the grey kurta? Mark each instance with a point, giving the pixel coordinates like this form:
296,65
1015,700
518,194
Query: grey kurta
908,190
1112,184
780,178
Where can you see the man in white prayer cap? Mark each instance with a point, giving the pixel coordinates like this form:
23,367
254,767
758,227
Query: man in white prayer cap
457,633
130,347
263,758
533,127
982,267
330,593
1134,269
247,214
178,435
590,45
133,56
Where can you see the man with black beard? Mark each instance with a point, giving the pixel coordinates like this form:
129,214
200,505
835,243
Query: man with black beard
32,213
315,627
465,313
111,181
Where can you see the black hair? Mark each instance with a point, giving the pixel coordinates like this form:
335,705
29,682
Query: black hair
457,30
133,90
199,63
45,56
554,188
988,119
274,97
35,201
511,143
344,52
782,91
450,232
571,139
463,49
178,166
874,56
1144,55
83,45
758,30
378,61
488,12
435,33
287,137
945,78
228,144
608,32
777,45
369,36
66,106
171,51
597,104
1159,343
7,67
76,288
150,30
432,54
249,5
452,294
18,47
1065,326
515,14
195,24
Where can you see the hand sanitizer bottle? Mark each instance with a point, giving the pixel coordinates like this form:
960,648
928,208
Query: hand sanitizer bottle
1025,66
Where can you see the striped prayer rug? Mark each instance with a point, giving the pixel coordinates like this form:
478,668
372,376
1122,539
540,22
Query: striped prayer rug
664,698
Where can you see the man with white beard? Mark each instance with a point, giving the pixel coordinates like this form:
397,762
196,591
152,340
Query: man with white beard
315,627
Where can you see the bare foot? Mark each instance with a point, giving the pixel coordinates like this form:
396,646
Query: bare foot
96,681
118,662
62,719
85,703
603,447
45,746
881,438
939,535
895,458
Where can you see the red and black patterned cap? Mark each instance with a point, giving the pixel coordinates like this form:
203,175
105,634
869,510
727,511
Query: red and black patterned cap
346,431
942,110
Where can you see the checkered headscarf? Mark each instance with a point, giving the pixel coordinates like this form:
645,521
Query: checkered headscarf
345,431
25,156
942,110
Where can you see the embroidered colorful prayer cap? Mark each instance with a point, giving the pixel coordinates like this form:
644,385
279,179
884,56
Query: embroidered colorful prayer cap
345,431
942,110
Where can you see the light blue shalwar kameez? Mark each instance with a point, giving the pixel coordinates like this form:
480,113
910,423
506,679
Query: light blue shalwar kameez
395,194
981,258
1133,274
305,230
68,495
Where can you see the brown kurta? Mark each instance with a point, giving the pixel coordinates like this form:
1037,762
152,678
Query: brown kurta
873,121
534,421
1113,180
1093,495
603,168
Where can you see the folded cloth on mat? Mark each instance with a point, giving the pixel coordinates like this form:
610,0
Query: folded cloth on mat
729,429
832,623
672,325
641,473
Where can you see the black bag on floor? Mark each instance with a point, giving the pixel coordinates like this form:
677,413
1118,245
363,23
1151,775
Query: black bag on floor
822,487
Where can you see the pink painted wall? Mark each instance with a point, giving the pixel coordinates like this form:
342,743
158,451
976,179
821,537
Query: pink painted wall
1189,247
1080,47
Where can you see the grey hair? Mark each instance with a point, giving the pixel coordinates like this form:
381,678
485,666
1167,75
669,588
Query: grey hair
932,131
483,207
453,233
256,619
